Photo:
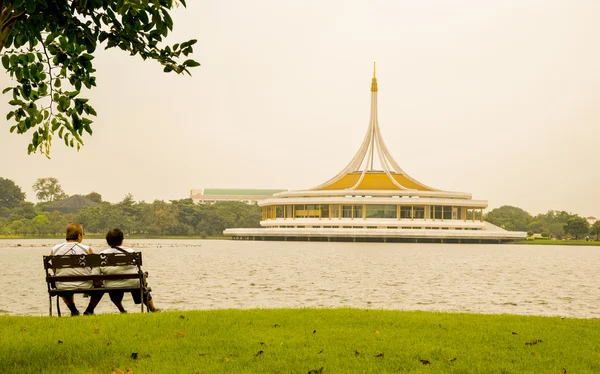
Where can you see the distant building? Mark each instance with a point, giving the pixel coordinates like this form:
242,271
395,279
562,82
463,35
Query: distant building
591,220
71,204
370,202
248,196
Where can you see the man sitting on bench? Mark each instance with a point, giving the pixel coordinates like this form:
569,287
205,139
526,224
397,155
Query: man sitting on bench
73,246
114,238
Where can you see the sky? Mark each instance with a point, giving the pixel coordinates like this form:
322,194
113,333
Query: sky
495,98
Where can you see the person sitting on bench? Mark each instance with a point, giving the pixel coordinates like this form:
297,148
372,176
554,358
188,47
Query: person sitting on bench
73,246
114,238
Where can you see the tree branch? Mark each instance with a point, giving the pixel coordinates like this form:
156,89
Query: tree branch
51,80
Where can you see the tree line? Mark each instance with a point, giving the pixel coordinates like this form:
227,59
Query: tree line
553,224
159,218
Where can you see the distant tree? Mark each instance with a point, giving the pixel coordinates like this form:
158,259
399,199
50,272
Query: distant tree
554,222
48,49
25,209
535,226
48,190
509,218
595,229
577,227
94,196
10,194
42,224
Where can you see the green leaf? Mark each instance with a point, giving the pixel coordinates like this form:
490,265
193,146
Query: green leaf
30,7
14,60
57,83
6,90
6,61
191,63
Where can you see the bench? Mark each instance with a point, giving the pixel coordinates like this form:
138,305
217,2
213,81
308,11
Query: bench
92,261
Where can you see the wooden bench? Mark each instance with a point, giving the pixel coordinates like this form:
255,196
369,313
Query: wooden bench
92,261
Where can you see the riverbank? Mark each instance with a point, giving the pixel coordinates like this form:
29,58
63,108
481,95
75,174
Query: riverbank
558,242
299,341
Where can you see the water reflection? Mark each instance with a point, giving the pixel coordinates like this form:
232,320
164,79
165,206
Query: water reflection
204,274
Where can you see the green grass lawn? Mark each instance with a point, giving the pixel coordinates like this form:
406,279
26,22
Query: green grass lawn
557,242
299,341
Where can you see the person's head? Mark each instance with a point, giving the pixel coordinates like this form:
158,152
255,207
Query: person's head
75,232
114,237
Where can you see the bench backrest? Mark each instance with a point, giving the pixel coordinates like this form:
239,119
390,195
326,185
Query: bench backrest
93,260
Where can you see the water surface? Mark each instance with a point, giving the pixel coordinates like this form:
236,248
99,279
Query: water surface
219,274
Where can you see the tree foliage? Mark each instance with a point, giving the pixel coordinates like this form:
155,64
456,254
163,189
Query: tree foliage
577,227
48,190
595,229
94,196
509,218
10,194
49,50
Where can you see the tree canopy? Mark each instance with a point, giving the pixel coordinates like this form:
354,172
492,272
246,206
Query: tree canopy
48,49
10,194
48,190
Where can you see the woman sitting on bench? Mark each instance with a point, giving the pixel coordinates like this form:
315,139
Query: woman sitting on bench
114,238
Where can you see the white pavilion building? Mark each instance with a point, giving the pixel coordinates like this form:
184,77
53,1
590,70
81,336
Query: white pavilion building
369,201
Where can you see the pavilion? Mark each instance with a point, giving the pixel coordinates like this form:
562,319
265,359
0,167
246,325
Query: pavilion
369,201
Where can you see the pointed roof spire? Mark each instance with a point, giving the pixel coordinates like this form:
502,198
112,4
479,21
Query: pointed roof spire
374,81
360,173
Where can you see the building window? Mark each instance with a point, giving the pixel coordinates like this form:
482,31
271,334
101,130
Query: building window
406,212
324,211
334,211
448,212
346,211
419,212
381,211
289,211
279,211
358,211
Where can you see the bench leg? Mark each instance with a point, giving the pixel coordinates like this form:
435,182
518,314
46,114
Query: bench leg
50,304
58,305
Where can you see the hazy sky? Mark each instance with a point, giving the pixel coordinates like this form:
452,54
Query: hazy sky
496,98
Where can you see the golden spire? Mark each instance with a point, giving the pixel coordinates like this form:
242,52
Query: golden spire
374,81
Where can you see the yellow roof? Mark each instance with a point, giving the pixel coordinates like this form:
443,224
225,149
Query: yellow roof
375,181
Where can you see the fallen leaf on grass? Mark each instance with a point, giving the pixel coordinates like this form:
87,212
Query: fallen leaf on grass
314,331
376,332
564,371
357,352
60,342
262,343
425,362
275,325
59,357
452,359
259,353
533,342
321,351
315,371
514,333
96,330
181,317
379,355
134,355
180,334
227,359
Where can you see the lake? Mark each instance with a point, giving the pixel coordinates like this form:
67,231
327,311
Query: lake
221,274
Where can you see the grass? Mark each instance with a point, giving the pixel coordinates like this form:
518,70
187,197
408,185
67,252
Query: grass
299,341
557,242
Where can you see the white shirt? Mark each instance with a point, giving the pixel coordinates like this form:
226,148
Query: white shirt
127,269
72,248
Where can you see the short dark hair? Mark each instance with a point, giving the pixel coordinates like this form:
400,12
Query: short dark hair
114,237
74,230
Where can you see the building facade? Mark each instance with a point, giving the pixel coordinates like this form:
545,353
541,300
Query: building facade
372,198
248,196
